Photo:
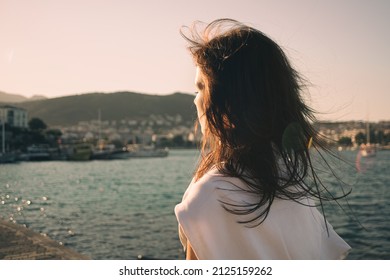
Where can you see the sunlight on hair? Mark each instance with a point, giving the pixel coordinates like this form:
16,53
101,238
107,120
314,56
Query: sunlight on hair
310,143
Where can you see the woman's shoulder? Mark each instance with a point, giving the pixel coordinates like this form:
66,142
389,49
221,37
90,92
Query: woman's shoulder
215,181
201,196
217,188
230,190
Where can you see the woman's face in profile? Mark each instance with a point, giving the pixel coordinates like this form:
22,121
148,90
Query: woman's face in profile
200,88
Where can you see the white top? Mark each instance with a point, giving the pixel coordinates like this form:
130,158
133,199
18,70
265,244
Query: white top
291,230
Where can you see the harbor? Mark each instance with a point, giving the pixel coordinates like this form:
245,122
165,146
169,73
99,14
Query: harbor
123,209
82,152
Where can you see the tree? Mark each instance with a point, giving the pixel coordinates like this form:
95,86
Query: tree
54,133
36,135
178,141
360,138
345,141
36,124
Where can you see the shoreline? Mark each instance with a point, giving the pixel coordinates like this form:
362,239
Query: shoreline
20,243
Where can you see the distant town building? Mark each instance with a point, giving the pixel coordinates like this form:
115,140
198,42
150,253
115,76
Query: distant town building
14,116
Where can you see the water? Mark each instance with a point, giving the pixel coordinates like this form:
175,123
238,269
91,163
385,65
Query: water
123,209
370,202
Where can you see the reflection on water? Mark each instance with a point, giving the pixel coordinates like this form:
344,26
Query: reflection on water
121,209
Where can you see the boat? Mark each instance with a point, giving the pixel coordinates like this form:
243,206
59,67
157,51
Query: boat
367,150
79,152
108,152
38,153
141,151
8,157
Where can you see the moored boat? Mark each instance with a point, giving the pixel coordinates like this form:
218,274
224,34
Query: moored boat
141,151
79,152
108,152
38,153
367,150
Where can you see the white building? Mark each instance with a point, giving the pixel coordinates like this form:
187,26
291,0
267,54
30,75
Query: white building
14,116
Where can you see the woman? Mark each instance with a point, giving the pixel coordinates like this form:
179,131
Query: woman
254,190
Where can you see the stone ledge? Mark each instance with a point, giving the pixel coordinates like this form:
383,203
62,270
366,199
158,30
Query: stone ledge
20,243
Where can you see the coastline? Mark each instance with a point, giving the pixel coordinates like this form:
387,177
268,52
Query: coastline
20,243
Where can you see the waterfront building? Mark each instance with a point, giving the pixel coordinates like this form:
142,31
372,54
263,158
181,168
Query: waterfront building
14,116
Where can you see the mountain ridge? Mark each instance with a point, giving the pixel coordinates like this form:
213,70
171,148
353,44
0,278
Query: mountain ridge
16,98
69,110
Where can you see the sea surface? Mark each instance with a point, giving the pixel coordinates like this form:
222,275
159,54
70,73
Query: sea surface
123,209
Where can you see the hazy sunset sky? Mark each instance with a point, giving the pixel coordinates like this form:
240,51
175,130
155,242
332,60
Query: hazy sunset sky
57,48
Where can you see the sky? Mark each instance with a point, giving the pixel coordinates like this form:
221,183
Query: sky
58,48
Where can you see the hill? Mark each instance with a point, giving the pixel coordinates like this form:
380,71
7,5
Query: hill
11,98
70,110
16,98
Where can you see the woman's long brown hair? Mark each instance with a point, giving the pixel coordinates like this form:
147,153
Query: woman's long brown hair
258,127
